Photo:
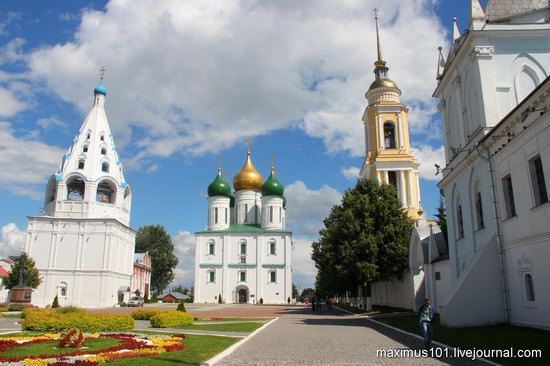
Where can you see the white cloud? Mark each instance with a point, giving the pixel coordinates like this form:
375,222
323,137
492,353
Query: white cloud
184,241
12,240
307,208
351,173
427,156
303,267
9,103
197,76
50,122
25,162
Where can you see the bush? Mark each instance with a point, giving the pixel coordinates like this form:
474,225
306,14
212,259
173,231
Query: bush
16,308
3,309
181,307
55,303
50,320
288,300
69,309
171,319
190,299
261,300
146,314
219,298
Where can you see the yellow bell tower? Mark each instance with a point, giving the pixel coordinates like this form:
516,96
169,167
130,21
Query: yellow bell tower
388,151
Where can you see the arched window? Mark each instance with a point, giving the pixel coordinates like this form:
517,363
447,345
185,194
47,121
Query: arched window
103,151
529,289
102,137
242,276
389,135
75,189
105,167
272,247
392,178
211,247
88,134
245,213
270,214
215,215
212,276
85,148
273,276
478,204
459,218
242,246
105,192
62,287
81,164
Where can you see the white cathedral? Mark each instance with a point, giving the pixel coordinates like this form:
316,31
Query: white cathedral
245,253
82,244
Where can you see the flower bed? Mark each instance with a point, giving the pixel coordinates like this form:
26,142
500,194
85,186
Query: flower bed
130,345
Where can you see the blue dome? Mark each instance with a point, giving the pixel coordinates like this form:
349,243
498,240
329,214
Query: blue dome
100,89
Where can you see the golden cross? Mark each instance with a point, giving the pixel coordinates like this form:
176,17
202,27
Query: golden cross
219,159
102,72
248,142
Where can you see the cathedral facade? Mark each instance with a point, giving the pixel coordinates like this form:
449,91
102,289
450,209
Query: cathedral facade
493,92
245,253
82,244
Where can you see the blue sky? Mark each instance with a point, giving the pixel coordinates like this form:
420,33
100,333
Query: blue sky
189,82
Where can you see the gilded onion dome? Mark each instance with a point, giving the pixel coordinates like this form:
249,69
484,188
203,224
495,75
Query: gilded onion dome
248,177
219,187
272,186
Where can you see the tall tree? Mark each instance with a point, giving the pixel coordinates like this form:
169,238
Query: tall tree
364,239
442,218
23,273
155,240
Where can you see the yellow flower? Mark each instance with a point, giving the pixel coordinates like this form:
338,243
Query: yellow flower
35,362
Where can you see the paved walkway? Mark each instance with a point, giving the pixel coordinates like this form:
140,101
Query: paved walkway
9,325
301,337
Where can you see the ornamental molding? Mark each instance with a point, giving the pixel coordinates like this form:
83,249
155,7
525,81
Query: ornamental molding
482,52
524,263
464,164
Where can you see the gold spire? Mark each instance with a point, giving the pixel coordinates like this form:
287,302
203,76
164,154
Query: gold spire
248,177
379,62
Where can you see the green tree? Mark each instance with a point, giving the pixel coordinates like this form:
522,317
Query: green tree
364,239
55,303
295,292
155,240
307,293
442,218
23,273
181,306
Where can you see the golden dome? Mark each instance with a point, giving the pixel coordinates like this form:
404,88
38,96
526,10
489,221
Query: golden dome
248,177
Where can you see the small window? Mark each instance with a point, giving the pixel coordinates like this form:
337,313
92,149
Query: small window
460,222
273,277
105,167
280,215
102,137
245,213
272,248
479,212
215,215
508,192
75,189
103,151
392,178
538,183
242,276
529,289
389,135
211,276
243,248
211,248
85,148
226,215
105,192
88,135
81,164
270,214
437,276
63,291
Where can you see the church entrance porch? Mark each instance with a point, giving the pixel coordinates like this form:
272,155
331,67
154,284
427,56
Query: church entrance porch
241,295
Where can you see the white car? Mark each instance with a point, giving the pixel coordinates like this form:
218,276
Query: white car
135,301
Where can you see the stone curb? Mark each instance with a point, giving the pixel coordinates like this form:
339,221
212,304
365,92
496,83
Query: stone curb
220,356
413,335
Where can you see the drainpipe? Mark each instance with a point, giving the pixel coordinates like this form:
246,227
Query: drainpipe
502,263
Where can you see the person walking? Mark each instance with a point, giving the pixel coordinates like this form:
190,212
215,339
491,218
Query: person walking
425,317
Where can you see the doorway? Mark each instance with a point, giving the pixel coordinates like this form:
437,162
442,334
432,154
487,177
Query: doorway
243,296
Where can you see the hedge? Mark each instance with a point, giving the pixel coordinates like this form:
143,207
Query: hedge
171,319
48,320
146,314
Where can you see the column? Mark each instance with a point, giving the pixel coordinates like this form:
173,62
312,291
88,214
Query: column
417,188
399,131
379,176
384,176
409,187
402,187
380,132
367,134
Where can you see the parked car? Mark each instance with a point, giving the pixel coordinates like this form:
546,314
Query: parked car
135,301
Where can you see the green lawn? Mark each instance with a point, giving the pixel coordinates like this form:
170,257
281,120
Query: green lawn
50,348
198,348
230,327
235,319
375,310
485,337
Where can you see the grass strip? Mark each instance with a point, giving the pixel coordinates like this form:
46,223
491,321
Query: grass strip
490,337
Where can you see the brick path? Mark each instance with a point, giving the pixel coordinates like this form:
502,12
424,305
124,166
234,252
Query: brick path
301,337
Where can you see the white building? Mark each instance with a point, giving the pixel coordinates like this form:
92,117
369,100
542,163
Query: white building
497,149
245,254
82,245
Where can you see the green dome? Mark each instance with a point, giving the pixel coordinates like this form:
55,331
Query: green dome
272,187
219,187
